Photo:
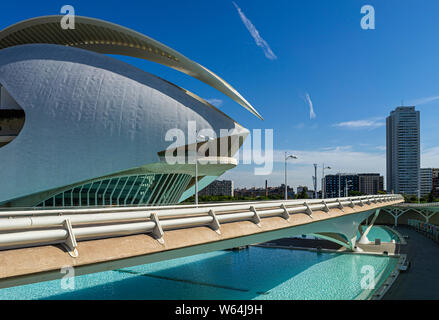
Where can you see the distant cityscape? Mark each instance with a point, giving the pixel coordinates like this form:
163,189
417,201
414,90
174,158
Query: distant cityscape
337,185
404,174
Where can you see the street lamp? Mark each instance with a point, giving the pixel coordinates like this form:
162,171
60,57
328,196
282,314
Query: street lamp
286,158
348,184
323,180
339,184
315,180
200,138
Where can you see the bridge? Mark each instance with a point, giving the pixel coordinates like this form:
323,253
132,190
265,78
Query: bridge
36,244
425,211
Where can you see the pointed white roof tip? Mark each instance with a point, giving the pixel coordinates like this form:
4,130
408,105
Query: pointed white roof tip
109,38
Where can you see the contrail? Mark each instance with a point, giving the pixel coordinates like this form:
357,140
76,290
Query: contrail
424,100
260,42
312,114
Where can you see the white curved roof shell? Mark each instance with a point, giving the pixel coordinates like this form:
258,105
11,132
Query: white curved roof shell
105,37
89,115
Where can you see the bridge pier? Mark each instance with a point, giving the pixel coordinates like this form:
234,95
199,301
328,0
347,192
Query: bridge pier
340,239
363,238
348,236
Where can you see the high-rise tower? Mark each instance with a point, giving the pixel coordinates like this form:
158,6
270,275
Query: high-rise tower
403,151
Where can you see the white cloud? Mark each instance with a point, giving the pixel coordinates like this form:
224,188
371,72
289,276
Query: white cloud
215,102
260,42
430,158
372,123
312,114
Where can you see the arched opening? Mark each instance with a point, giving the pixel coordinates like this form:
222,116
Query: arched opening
12,117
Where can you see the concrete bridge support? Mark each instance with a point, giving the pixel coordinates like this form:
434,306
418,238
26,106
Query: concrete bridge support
363,238
347,236
396,213
427,214
339,239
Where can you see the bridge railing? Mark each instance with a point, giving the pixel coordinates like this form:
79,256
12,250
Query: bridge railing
67,226
418,205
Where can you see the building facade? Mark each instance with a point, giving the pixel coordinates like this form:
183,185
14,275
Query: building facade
94,130
426,177
403,151
370,183
218,188
435,183
339,185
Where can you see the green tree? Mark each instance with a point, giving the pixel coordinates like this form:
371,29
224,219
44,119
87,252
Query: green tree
303,194
353,193
413,199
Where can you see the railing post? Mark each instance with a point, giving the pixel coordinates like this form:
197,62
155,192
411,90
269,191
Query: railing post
285,213
256,218
352,205
215,225
70,242
326,208
157,232
340,205
308,209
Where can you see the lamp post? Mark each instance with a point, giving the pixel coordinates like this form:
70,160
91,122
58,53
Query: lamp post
339,184
323,180
286,158
315,180
200,138
348,184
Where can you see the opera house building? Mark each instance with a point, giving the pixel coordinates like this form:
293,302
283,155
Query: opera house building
81,128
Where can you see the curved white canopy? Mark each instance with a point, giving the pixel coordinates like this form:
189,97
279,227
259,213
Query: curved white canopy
109,38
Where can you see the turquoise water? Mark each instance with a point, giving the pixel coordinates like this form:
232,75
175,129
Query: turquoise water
382,233
256,273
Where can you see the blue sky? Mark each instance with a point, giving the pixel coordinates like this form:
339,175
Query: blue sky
354,77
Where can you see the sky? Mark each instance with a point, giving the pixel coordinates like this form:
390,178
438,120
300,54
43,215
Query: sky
323,84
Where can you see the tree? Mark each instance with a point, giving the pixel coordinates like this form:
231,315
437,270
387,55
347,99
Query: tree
413,199
353,193
303,194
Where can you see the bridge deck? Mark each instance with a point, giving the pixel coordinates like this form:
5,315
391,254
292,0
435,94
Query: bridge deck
27,265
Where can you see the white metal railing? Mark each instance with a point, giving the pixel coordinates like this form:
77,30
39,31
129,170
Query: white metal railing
26,228
418,205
